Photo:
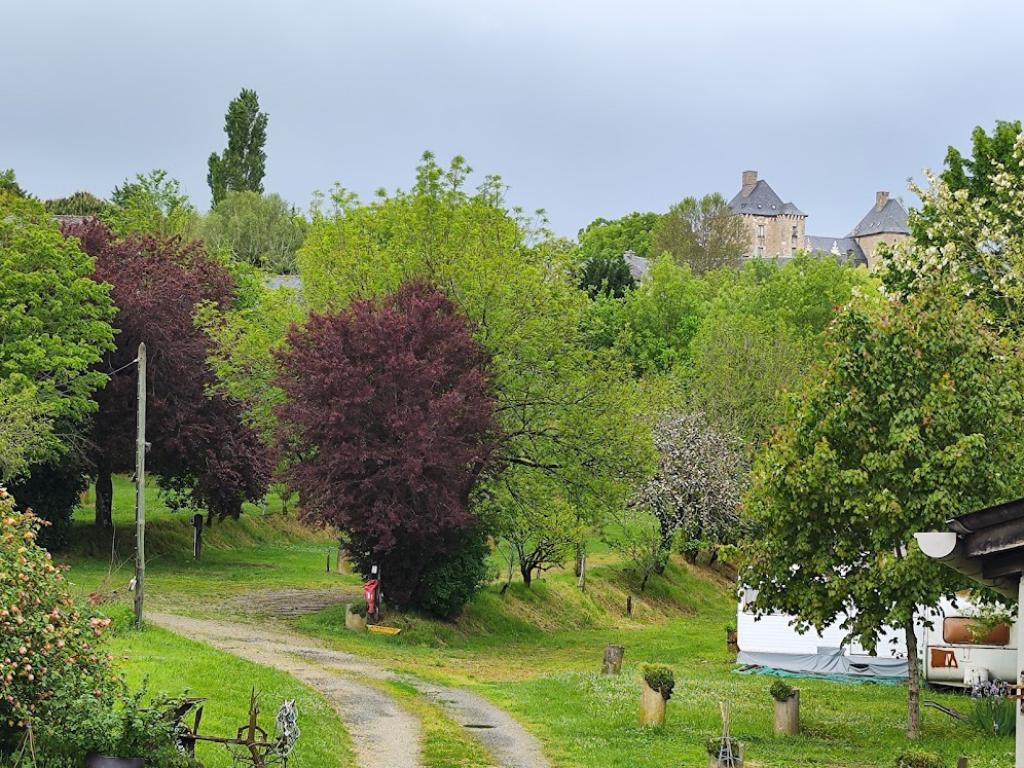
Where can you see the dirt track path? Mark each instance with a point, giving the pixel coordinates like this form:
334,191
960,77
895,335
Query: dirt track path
383,735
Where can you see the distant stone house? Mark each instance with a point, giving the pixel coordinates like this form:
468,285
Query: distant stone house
778,230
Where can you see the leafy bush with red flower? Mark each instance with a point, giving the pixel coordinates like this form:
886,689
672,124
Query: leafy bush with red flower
49,647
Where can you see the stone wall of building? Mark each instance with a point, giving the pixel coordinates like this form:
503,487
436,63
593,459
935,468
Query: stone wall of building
772,236
869,244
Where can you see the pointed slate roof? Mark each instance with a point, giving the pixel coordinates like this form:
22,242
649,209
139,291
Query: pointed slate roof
890,217
762,201
843,248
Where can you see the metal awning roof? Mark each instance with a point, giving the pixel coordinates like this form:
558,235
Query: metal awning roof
986,546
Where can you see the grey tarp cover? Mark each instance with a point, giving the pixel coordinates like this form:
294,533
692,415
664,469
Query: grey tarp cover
830,662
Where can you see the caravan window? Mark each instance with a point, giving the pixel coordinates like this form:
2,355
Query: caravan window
961,630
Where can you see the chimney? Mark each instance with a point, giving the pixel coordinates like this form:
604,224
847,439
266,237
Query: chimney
749,182
881,198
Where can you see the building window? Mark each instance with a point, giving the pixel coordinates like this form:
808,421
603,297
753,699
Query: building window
960,630
760,234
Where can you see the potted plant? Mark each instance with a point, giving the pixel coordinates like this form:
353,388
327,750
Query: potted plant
355,616
724,752
787,708
659,680
732,637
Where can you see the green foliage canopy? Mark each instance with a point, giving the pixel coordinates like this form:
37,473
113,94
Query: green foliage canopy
915,420
56,326
701,233
262,230
574,445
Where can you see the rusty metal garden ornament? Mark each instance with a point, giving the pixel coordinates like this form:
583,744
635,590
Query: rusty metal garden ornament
252,746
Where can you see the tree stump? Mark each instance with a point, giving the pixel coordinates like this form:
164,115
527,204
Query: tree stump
652,707
612,659
787,715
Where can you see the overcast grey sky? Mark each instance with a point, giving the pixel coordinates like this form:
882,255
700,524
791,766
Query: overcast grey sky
586,108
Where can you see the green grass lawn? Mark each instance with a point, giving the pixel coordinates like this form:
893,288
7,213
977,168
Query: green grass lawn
264,549
533,651
537,654
170,664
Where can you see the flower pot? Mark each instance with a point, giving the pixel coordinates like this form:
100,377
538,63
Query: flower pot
103,761
353,621
652,707
787,715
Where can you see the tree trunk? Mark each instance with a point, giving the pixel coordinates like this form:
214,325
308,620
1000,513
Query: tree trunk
579,560
527,572
104,499
914,684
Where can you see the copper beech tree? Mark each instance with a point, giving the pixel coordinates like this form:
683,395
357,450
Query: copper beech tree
388,424
199,444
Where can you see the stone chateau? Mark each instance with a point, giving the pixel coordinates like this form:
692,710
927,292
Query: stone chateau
778,229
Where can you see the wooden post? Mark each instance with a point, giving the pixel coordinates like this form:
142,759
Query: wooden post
612,659
328,561
787,715
629,605
140,488
962,762
197,536
652,706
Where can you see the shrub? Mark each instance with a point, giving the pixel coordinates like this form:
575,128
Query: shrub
447,588
135,729
916,758
48,646
359,608
781,691
992,712
659,677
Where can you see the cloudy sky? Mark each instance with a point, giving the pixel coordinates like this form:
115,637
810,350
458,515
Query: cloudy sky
586,108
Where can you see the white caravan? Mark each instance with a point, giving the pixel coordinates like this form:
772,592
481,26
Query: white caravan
950,653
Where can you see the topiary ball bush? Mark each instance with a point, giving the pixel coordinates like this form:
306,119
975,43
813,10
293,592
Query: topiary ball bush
659,677
359,608
918,758
781,691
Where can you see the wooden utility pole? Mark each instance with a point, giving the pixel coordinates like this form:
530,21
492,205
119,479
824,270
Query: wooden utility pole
140,488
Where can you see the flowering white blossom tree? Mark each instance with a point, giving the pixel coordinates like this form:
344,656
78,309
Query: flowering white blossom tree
968,238
697,488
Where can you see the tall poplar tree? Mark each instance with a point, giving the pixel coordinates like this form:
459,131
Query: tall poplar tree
242,166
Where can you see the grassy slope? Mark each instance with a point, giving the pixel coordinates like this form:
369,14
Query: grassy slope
535,653
261,550
171,663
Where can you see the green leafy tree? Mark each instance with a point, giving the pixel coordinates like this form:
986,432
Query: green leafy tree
915,419
764,329
742,366
262,230
242,165
56,325
567,411
701,233
77,204
606,238
606,274
152,204
9,184
657,321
